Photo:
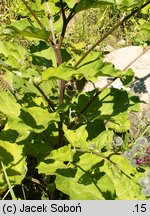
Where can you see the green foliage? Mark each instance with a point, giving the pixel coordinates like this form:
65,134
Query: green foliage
14,162
85,4
64,136
29,31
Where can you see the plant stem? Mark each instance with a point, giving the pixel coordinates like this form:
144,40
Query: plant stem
110,31
61,83
65,21
37,19
33,14
51,22
62,11
50,103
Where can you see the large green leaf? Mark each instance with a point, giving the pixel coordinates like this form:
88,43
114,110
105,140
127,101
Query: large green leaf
63,72
114,102
98,68
86,4
37,117
29,31
14,162
25,120
93,68
90,188
81,180
50,167
89,183
104,139
33,119
78,138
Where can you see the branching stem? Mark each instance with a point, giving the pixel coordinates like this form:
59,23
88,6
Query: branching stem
33,13
110,31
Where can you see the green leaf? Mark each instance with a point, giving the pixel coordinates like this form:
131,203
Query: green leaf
37,118
125,178
29,31
86,4
78,137
127,77
124,165
13,49
62,154
104,139
70,3
145,28
125,4
94,190
95,68
88,182
62,72
119,123
9,105
50,167
88,69
23,85
54,162
127,189
21,24
43,56
14,162
114,101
